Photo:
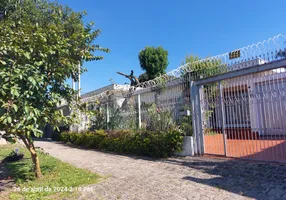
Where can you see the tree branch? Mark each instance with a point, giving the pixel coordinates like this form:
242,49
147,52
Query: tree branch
133,79
24,140
120,73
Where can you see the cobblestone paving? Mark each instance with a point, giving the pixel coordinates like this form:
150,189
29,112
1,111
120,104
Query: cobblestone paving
174,178
6,185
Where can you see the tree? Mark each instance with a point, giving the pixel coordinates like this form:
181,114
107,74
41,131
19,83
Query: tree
154,61
42,45
204,68
190,59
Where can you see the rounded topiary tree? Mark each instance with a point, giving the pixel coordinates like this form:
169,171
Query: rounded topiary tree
154,60
42,45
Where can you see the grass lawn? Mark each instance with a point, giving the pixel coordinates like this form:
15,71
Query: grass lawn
60,178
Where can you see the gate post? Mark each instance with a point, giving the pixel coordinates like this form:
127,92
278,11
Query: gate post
222,116
193,106
196,119
200,118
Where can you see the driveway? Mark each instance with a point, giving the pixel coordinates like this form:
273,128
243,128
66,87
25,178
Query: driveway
130,177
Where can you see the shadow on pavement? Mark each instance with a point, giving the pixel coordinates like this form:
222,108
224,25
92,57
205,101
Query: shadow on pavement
248,178
259,180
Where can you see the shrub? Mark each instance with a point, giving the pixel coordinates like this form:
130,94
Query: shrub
15,155
159,119
65,137
145,143
56,136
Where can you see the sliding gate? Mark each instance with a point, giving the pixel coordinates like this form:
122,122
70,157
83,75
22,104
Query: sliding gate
243,113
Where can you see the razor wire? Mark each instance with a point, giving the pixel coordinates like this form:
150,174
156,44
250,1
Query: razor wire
271,50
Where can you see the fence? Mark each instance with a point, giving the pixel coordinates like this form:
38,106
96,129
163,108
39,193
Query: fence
233,103
160,107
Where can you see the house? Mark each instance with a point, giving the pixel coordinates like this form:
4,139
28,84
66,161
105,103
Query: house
90,99
253,105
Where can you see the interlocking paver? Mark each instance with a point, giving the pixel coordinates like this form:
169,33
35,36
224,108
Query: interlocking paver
174,178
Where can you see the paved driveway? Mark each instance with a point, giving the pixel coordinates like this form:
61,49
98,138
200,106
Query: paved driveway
173,178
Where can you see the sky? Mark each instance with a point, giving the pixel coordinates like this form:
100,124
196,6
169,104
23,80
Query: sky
182,27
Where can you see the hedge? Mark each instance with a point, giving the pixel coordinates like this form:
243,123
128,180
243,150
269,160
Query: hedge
144,143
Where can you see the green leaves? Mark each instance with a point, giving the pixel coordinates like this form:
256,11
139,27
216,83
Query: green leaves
145,143
15,92
9,119
206,68
37,132
154,61
6,119
32,80
15,107
27,55
27,109
42,44
3,62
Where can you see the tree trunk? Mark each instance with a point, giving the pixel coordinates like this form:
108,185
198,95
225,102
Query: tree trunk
30,146
36,162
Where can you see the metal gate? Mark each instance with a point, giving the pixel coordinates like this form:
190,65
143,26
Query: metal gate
243,113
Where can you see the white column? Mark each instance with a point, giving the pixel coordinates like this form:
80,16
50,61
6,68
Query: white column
107,115
139,112
194,118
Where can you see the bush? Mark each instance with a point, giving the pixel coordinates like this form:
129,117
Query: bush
15,155
56,136
65,137
144,143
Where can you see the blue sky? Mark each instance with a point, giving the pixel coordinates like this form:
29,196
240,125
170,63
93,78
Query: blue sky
198,27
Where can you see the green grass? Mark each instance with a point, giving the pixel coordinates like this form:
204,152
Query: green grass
56,175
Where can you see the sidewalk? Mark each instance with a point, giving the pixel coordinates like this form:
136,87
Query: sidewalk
177,179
